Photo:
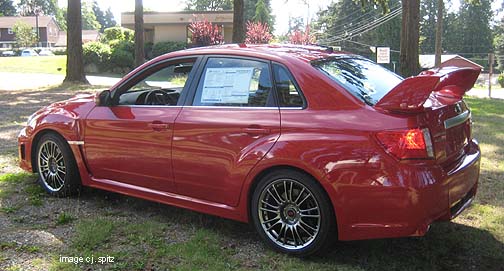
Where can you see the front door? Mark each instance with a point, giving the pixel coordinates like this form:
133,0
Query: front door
231,123
130,141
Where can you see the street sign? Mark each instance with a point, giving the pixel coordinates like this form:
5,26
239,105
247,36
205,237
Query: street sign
383,55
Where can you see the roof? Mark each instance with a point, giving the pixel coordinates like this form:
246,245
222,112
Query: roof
87,36
179,17
10,21
427,61
305,53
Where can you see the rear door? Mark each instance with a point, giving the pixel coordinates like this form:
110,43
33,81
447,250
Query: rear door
227,127
130,141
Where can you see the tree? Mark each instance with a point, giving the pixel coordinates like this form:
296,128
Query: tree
258,33
106,19
263,13
75,65
25,37
499,43
410,36
205,33
203,5
238,21
7,8
139,33
60,18
29,7
439,32
302,37
89,21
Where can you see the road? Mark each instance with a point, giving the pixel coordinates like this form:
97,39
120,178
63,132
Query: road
22,81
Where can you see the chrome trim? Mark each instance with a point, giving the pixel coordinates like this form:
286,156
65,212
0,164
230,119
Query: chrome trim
457,120
70,142
291,108
464,206
232,107
149,106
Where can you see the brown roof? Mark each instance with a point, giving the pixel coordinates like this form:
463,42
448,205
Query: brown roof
9,21
87,36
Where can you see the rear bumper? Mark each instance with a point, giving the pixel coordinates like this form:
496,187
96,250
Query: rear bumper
428,194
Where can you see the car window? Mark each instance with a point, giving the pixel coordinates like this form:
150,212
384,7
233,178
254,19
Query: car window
160,85
363,78
235,82
288,93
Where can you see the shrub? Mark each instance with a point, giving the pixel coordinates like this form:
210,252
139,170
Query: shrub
148,49
161,48
121,60
500,79
117,33
60,52
257,33
204,33
124,45
95,52
303,38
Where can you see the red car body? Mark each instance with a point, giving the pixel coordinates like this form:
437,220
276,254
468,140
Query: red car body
208,159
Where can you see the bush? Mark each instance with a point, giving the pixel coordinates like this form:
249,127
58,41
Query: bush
148,50
258,33
60,52
500,79
96,53
204,33
117,33
124,45
161,48
121,61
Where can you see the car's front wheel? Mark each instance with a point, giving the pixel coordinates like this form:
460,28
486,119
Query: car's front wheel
292,213
56,166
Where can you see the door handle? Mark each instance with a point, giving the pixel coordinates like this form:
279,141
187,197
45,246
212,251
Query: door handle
257,131
158,126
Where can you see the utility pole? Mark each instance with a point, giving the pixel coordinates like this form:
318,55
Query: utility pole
490,71
439,31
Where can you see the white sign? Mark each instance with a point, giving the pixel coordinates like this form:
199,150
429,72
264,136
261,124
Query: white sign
227,85
383,55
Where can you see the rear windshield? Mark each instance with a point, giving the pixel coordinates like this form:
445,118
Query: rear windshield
363,78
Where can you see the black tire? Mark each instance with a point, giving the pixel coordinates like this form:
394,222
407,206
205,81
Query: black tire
56,166
290,186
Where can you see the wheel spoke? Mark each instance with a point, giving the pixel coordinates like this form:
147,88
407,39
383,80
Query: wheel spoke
271,194
273,225
269,210
314,216
299,195
270,205
307,196
308,210
299,236
308,226
309,233
271,220
290,191
276,192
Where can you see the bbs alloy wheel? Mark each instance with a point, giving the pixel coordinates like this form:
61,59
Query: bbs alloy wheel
58,173
292,213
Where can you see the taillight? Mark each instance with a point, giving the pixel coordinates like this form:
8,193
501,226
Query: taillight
407,144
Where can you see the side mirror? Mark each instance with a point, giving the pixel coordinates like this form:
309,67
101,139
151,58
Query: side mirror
103,98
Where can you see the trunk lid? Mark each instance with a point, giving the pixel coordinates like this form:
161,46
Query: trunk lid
435,98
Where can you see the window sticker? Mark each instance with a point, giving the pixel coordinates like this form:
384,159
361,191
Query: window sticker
227,85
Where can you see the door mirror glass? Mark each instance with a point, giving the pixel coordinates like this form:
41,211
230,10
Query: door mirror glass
103,98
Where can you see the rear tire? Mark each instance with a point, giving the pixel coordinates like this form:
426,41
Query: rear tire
292,213
56,166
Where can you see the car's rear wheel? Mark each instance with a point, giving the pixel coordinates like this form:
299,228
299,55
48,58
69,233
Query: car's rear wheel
292,213
56,166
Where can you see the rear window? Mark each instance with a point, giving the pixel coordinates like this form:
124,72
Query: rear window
363,78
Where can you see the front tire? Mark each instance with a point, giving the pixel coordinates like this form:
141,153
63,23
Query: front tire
56,166
292,213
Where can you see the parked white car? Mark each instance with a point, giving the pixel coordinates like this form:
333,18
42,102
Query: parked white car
8,53
29,52
45,52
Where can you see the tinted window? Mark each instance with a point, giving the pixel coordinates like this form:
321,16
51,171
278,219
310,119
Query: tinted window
235,82
363,78
288,94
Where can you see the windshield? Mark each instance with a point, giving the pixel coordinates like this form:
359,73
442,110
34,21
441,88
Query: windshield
363,78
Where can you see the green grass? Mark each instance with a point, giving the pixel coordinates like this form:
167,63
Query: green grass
40,64
64,218
142,236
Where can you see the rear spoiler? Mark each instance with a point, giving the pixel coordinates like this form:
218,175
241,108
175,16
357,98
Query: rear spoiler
410,95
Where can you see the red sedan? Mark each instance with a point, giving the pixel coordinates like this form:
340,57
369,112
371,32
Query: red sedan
305,143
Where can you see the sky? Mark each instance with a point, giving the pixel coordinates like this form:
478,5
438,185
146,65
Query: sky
281,9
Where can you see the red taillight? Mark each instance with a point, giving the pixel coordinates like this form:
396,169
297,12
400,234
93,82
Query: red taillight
407,144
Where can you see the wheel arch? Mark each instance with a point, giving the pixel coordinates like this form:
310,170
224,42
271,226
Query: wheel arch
35,143
274,168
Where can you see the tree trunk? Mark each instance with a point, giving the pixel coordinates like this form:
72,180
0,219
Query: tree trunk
139,33
75,65
410,35
439,32
238,22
